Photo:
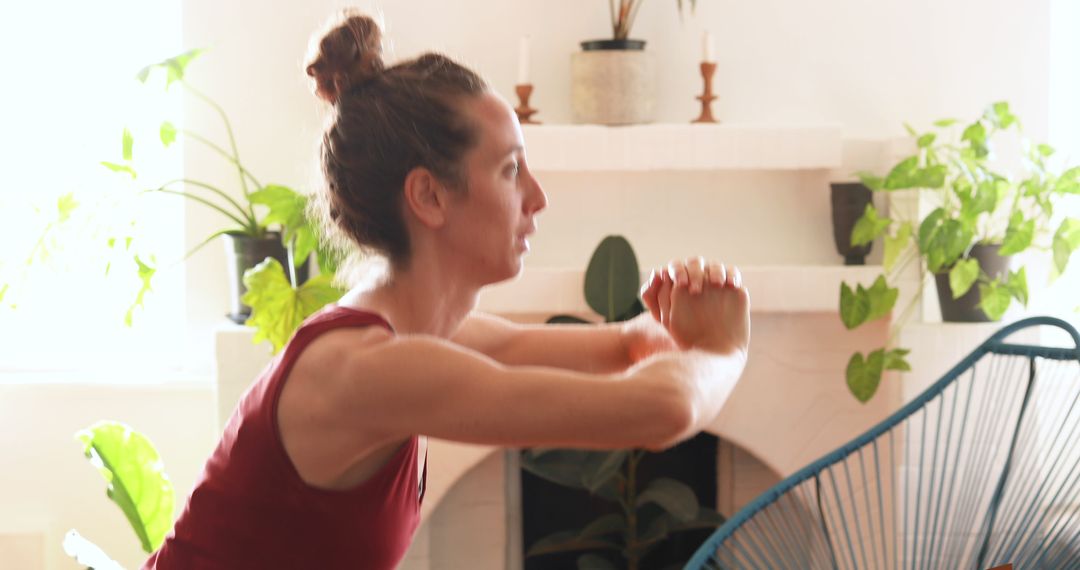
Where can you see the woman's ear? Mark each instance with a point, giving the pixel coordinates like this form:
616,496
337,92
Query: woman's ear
426,197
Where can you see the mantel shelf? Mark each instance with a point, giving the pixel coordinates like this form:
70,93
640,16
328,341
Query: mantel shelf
658,147
773,289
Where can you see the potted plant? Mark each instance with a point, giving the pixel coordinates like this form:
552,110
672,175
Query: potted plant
981,216
644,512
612,80
266,221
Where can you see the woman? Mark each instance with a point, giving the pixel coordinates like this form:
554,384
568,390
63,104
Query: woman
322,464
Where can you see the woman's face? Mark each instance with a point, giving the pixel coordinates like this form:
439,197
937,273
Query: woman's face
490,222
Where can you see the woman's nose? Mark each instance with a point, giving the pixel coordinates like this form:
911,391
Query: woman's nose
538,197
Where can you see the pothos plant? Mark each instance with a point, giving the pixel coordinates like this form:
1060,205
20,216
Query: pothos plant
976,204
279,303
645,514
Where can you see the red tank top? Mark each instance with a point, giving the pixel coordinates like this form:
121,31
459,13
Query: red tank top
251,509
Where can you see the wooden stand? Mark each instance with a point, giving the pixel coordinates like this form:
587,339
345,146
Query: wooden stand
524,91
707,71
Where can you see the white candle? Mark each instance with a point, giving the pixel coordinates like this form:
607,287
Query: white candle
709,53
523,61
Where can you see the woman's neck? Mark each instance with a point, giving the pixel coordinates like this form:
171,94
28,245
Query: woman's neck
413,305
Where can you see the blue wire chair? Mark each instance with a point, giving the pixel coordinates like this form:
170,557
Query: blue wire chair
980,470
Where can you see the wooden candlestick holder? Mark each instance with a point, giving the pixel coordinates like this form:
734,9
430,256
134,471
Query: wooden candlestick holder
707,71
524,112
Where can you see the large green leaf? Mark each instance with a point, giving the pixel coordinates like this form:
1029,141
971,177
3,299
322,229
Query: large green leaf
611,280
277,309
929,228
673,496
962,276
136,478
947,244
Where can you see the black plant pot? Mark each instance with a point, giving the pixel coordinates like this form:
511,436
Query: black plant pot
966,308
244,252
596,45
849,201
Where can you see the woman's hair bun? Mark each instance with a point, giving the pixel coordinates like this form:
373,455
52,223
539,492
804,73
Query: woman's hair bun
349,54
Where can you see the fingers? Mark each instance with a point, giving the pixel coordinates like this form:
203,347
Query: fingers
650,292
734,277
678,274
716,275
664,299
695,271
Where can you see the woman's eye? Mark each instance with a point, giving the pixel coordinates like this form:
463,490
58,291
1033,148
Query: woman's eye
512,170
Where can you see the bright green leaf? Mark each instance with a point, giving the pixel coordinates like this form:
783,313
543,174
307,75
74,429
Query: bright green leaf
995,299
1045,150
1018,286
276,308
894,245
975,135
868,227
864,376
853,308
1069,181
926,140
1066,240
146,273
894,360
904,175
65,205
945,123
168,133
871,181
175,67
962,276
1018,236
123,168
673,496
128,143
881,298
929,228
136,478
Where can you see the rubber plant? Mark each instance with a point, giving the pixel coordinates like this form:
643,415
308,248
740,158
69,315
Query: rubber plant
645,515
976,204
136,482
279,303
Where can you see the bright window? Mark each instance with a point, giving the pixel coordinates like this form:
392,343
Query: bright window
68,94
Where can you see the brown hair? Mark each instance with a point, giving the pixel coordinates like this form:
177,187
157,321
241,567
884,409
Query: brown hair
385,122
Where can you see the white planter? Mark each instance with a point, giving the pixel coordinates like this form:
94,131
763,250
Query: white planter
613,87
